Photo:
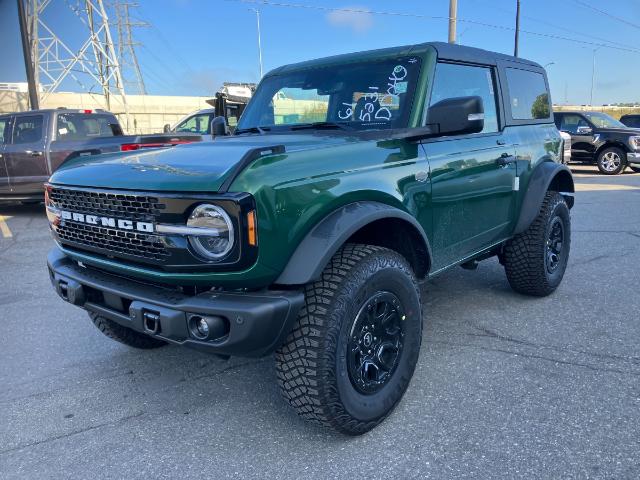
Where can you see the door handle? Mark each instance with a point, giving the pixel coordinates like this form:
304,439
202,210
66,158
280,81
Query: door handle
33,153
505,159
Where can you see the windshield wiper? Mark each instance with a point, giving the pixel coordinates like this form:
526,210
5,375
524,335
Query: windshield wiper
260,130
322,125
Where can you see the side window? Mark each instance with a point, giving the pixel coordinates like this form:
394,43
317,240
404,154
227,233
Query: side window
3,127
232,115
196,124
571,122
453,80
81,126
557,119
27,129
528,95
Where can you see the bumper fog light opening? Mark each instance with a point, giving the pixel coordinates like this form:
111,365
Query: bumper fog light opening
208,328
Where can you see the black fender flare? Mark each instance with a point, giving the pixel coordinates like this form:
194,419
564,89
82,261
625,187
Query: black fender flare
542,177
320,244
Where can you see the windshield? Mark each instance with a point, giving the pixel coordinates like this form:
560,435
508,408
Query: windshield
358,95
602,120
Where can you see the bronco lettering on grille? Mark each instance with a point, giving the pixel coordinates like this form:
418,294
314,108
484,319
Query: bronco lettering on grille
123,224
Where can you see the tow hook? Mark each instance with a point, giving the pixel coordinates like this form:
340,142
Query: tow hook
71,291
151,322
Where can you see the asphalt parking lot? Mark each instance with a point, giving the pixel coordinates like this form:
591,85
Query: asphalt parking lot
506,386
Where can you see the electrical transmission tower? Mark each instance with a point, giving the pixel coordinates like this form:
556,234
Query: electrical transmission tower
126,50
94,61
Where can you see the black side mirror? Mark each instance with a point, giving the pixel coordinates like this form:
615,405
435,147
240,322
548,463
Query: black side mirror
166,128
457,116
219,127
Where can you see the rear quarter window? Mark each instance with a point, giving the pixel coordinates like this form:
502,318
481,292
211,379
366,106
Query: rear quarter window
82,126
631,121
528,95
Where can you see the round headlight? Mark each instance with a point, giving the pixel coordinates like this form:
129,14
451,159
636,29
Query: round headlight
217,240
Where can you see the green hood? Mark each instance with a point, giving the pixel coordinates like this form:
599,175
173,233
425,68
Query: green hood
195,167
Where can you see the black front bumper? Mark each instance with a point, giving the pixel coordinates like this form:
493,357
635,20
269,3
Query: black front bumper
257,322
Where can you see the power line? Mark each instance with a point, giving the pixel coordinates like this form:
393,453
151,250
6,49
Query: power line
604,12
559,27
174,53
432,17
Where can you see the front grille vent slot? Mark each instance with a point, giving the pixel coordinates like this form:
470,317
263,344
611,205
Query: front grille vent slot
133,207
113,241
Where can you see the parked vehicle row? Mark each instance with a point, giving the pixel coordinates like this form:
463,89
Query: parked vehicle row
598,138
35,144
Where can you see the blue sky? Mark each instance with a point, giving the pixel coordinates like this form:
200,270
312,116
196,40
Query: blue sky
192,46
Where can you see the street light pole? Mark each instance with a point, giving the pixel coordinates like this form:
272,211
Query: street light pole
515,48
593,75
259,37
453,18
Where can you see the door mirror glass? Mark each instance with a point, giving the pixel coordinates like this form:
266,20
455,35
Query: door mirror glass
219,127
166,128
457,116
584,131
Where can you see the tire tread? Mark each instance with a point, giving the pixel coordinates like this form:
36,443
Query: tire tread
304,363
524,254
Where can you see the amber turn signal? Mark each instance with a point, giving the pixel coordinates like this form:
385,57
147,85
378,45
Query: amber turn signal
251,228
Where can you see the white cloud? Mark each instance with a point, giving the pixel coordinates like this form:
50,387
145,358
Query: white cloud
359,19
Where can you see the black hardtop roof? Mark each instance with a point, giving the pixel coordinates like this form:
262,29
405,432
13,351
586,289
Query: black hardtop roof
462,53
445,51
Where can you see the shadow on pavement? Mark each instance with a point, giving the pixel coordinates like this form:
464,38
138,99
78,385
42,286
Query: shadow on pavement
14,208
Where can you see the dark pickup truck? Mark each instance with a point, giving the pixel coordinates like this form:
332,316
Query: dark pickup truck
34,144
601,139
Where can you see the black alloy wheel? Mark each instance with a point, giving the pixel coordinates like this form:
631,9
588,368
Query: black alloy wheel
375,342
555,242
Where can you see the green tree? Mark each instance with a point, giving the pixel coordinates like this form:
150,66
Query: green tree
540,108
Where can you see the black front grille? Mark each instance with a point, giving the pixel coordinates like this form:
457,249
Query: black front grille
132,207
90,220
112,241
116,241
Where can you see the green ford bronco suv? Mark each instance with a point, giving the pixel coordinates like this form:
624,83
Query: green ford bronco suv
348,180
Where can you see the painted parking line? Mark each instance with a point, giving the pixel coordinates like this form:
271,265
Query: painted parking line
4,228
595,187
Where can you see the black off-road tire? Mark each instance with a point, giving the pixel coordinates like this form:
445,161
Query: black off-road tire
601,161
525,256
125,335
312,364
